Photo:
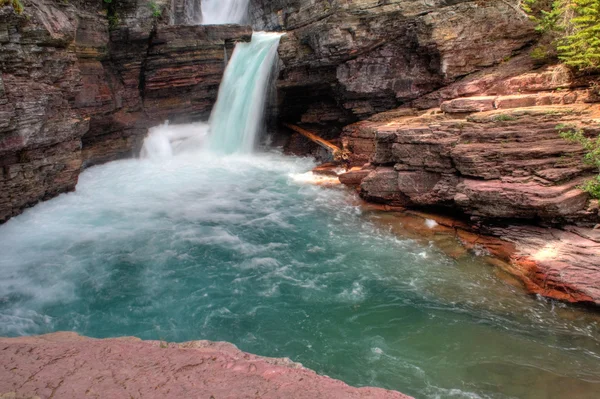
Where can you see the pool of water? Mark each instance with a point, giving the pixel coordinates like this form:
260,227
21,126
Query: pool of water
238,248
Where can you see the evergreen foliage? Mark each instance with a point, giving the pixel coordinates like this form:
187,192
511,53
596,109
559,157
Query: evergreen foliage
16,4
574,27
592,155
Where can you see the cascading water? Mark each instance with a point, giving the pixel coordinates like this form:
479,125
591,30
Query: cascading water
215,12
239,111
186,12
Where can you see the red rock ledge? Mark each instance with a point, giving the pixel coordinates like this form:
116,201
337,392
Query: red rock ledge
67,365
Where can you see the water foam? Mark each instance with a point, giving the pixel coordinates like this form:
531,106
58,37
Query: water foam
239,112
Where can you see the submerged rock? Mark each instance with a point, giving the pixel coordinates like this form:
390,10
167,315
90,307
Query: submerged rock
66,365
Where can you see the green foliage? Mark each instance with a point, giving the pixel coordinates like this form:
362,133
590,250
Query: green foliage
573,27
155,8
592,154
113,21
16,4
111,13
541,54
504,118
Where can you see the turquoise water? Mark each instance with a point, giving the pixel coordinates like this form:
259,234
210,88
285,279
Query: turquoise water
238,249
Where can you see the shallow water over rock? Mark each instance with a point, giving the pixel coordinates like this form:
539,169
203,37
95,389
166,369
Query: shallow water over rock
238,248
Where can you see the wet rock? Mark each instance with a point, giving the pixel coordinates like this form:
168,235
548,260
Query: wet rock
67,365
381,186
354,177
554,263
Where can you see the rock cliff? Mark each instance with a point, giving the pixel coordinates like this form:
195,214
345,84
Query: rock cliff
497,159
74,93
345,60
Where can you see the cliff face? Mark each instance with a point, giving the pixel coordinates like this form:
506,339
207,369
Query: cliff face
368,56
74,93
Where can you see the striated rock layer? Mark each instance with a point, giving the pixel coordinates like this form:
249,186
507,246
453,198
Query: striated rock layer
66,365
497,158
74,93
342,60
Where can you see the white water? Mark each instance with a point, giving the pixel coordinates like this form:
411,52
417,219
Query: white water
239,112
216,12
165,141
193,13
238,115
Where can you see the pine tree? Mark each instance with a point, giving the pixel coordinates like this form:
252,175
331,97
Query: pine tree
574,26
581,48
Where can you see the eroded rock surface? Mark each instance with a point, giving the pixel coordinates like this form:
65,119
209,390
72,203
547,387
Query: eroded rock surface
497,158
495,164
555,263
369,56
66,365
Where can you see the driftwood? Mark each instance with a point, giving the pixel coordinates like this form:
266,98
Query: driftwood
339,154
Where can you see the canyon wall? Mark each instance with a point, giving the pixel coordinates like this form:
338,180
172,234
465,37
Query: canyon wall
342,61
75,91
420,76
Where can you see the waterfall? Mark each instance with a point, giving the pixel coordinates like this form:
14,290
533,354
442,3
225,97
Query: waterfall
193,13
186,12
239,112
215,12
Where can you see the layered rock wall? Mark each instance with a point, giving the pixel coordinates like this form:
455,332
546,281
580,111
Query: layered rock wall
369,56
496,160
495,155
74,93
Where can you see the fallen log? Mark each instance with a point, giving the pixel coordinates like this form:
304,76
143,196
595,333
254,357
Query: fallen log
338,154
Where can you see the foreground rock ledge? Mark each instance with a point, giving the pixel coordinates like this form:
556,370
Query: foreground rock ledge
67,365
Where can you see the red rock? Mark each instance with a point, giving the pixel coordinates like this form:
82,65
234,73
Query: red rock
468,104
495,164
66,365
498,166
354,177
497,199
555,263
515,101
